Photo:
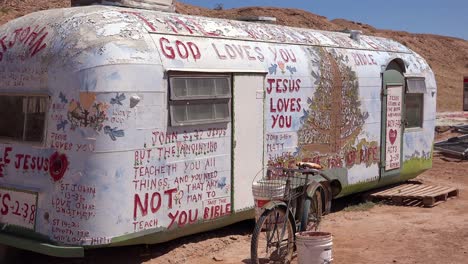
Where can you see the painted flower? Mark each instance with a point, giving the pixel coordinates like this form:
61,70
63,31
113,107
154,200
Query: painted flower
281,66
102,107
72,106
92,111
87,99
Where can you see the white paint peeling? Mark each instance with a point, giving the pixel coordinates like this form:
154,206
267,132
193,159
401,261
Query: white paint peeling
112,29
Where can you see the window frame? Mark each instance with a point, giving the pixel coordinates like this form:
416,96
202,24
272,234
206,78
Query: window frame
415,92
41,142
173,100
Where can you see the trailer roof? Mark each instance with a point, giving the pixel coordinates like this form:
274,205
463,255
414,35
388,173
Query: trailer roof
73,39
100,18
177,24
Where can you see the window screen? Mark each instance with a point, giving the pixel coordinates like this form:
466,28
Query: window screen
199,100
414,102
200,88
22,118
416,85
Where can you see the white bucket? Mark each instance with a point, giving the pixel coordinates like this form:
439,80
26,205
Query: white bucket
314,247
259,203
265,191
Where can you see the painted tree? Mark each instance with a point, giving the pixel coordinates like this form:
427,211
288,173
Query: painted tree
333,119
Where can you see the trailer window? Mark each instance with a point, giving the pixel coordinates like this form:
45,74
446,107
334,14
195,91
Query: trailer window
22,118
199,100
414,102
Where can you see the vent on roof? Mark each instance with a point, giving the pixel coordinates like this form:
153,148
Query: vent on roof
259,19
161,5
353,34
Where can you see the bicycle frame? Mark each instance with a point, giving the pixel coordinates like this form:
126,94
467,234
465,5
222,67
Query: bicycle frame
295,210
292,196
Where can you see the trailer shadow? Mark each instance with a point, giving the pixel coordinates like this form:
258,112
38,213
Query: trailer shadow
341,204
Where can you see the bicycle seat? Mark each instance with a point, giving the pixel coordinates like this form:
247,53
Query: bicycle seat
309,165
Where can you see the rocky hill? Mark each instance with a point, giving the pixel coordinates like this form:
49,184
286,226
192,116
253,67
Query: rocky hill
447,56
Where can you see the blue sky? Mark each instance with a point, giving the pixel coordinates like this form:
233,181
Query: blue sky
441,17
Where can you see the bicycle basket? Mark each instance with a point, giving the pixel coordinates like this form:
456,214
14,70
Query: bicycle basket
279,184
269,189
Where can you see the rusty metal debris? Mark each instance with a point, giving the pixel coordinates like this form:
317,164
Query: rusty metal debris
461,129
456,146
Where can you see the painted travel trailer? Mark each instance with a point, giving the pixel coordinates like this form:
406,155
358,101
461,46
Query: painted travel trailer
126,126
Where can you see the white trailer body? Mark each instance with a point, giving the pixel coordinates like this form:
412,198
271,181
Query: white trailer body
121,126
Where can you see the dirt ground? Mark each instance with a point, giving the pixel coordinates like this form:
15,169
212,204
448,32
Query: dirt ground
361,234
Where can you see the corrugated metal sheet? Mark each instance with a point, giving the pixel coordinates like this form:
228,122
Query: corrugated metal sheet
457,146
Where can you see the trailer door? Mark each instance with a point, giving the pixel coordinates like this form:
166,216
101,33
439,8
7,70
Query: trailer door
248,134
392,125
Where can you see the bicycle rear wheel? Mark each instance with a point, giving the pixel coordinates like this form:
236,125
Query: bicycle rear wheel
273,238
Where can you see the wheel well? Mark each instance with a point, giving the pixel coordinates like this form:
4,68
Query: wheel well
324,200
336,187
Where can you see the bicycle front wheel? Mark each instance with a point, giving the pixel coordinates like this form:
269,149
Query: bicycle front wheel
273,238
312,212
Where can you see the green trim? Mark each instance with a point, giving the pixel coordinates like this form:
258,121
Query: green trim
365,186
24,232
415,166
356,188
40,247
390,77
151,236
161,235
410,169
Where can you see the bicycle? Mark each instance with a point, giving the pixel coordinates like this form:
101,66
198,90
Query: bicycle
290,201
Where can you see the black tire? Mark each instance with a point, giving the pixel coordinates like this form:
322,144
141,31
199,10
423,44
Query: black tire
312,212
269,227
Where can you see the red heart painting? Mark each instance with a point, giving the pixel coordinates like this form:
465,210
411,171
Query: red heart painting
392,134
58,165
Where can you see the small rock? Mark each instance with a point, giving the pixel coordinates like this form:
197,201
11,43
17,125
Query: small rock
233,238
215,258
394,261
